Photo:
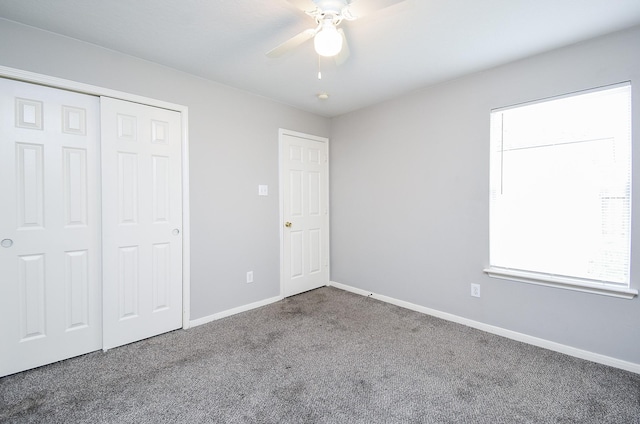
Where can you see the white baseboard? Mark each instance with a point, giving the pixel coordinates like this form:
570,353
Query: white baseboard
233,311
514,335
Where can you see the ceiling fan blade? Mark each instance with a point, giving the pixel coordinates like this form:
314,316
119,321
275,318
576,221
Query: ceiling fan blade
344,54
292,43
304,5
360,8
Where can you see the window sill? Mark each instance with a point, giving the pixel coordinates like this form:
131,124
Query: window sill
567,283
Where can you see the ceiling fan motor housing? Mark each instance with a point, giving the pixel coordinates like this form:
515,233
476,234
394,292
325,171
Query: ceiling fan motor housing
331,6
335,10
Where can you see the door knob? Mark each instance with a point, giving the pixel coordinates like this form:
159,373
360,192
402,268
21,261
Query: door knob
6,243
288,224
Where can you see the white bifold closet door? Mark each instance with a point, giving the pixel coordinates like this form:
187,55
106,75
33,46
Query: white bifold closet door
90,224
142,221
50,292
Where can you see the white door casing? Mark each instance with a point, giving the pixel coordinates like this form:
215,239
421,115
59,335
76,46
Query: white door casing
50,300
304,193
142,221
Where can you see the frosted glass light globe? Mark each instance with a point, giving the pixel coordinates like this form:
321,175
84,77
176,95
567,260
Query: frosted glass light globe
328,42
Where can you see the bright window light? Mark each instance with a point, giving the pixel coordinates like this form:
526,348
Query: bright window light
561,187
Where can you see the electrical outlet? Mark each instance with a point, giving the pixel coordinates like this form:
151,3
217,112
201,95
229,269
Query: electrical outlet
475,290
250,277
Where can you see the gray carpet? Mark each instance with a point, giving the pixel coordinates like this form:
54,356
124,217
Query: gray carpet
325,356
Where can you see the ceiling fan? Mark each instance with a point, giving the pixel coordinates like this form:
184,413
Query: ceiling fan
329,40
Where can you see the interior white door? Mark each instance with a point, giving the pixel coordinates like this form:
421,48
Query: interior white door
304,170
50,292
142,221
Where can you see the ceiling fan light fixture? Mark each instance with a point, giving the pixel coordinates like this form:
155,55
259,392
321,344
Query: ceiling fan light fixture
328,42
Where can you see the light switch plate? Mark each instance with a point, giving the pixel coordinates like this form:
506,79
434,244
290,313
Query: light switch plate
263,190
475,290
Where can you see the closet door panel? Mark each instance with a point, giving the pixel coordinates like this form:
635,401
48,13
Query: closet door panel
142,221
50,290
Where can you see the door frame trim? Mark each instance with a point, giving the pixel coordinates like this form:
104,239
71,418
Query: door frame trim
64,84
282,132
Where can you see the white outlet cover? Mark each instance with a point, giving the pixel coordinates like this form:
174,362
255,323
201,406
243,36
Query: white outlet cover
263,190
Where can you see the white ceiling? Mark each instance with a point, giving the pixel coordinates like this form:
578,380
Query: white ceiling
405,46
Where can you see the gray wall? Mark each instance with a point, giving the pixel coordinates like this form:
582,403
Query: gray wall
409,216
234,147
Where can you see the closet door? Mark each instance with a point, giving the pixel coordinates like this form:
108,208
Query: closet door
142,221
50,292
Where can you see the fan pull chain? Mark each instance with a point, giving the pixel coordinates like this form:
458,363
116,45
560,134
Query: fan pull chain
319,72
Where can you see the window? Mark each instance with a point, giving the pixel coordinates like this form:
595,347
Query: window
560,200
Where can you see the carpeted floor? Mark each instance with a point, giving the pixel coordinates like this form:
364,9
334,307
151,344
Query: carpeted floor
326,356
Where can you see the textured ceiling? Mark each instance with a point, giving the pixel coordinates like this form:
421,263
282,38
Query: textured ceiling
408,45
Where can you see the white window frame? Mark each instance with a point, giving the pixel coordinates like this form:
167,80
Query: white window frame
556,281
